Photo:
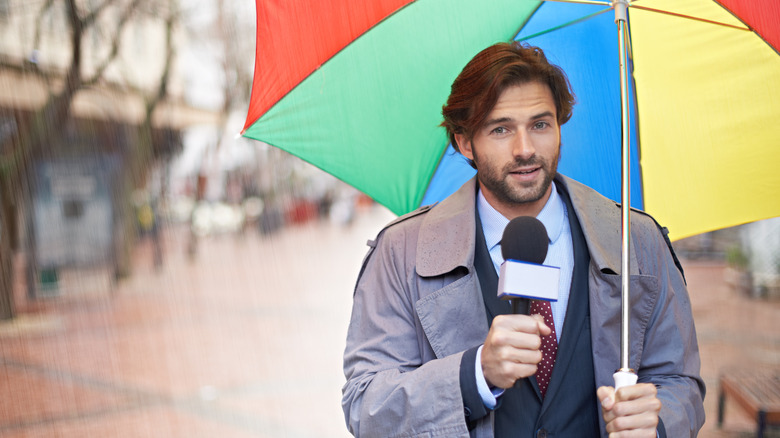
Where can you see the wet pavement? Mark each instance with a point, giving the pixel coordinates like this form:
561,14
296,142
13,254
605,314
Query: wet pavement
246,340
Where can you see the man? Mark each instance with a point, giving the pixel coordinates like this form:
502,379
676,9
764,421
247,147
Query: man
432,352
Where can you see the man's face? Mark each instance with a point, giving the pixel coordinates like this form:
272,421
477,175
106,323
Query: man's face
516,150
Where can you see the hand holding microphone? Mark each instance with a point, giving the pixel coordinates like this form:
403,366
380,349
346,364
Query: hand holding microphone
511,350
512,347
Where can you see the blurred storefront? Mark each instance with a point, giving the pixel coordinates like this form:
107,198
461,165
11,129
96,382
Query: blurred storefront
91,100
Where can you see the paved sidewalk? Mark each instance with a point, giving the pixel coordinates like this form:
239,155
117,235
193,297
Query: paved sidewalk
734,332
246,341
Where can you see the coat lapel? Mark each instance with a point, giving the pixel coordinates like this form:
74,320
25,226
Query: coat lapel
600,220
447,234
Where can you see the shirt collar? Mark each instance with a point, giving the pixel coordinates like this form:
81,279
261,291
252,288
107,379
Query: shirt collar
552,216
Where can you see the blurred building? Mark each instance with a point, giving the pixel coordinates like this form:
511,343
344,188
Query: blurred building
36,52
91,99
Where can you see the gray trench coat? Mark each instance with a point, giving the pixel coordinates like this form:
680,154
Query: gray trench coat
418,306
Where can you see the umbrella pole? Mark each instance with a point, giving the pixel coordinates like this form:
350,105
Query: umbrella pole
625,375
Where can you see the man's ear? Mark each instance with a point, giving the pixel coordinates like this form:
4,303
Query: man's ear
464,145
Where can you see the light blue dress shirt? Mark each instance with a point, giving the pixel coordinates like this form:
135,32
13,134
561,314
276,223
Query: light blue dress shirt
560,254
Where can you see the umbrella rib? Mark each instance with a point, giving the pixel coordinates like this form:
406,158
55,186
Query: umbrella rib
561,26
690,17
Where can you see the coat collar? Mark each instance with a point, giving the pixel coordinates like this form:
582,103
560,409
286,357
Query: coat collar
447,235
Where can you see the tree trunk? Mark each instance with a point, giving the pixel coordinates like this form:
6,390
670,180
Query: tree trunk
6,254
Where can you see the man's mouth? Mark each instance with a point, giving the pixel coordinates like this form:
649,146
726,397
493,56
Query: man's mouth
525,171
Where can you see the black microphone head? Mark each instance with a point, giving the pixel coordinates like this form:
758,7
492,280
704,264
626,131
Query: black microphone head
525,239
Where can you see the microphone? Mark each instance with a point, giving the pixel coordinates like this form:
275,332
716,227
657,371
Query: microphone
522,275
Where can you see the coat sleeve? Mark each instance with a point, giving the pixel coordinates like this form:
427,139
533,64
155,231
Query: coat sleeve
395,388
670,357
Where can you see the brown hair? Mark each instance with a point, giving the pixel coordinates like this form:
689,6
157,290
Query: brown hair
478,87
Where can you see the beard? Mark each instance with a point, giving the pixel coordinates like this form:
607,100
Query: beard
497,181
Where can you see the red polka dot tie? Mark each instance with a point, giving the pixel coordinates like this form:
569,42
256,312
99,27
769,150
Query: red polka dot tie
549,345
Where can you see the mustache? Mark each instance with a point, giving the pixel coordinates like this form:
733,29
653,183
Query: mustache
535,160
519,162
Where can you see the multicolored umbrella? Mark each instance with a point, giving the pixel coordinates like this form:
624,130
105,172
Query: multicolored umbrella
356,88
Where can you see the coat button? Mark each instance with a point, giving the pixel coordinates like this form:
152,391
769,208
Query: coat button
467,411
541,433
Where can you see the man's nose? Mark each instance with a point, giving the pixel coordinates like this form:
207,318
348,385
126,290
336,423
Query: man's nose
523,147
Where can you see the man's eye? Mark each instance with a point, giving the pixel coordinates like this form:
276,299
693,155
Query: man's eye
499,130
541,125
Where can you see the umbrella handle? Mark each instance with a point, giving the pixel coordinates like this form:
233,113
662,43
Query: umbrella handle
624,377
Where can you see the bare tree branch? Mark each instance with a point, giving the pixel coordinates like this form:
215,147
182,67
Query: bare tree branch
39,22
170,54
73,76
90,18
116,43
